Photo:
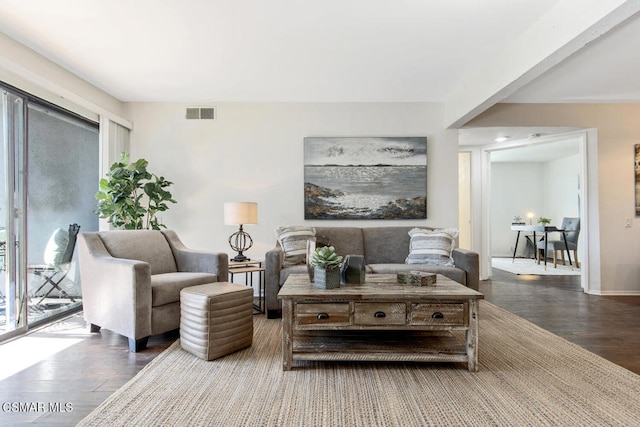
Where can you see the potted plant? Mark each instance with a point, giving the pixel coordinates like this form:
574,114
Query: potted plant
131,196
544,221
326,265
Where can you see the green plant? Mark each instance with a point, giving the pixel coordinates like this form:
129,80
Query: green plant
544,221
131,196
325,257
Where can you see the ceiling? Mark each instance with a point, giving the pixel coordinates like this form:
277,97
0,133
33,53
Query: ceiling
277,50
523,144
328,51
537,152
606,70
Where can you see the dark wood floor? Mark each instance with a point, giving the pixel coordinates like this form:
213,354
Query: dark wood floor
606,326
87,372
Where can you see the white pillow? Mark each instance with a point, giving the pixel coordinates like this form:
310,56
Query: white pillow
293,240
56,247
432,247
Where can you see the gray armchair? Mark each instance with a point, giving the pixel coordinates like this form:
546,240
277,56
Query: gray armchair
131,280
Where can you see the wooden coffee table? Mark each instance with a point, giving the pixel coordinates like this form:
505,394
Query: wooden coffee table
380,320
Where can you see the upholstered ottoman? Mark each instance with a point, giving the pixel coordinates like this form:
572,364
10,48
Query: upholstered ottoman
216,319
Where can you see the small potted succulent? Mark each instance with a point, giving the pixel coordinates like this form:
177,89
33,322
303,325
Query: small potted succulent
326,265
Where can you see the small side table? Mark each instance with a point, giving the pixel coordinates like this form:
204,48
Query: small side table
247,268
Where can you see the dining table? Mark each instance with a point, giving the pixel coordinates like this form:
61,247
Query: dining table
546,229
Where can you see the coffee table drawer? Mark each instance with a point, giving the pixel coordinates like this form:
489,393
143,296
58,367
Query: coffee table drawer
322,313
369,313
438,314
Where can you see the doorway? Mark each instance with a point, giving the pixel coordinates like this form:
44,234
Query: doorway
482,185
464,199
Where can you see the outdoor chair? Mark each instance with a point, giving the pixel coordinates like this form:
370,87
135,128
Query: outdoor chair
57,257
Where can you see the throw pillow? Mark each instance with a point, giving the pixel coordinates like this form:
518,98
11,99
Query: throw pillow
293,240
56,247
432,246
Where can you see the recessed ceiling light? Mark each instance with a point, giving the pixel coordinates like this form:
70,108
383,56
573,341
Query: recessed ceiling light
501,138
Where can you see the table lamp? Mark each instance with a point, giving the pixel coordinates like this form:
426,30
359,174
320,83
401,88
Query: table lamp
530,216
240,213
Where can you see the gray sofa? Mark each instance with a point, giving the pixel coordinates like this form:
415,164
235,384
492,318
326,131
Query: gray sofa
131,280
384,249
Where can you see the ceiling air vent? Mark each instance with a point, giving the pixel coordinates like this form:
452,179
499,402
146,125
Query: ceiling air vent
200,113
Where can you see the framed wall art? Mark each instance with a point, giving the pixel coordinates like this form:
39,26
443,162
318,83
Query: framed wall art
365,178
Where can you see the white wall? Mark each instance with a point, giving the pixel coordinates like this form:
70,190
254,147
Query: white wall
254,152
516,189
33,73
561,185
619,251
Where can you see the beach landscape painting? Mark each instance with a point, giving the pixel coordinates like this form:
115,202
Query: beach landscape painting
365,178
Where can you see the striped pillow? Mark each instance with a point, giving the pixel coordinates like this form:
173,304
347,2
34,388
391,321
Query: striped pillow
432,246
293,240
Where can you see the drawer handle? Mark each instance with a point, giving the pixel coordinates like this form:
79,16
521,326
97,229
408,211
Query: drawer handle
379,314
437,315
322,316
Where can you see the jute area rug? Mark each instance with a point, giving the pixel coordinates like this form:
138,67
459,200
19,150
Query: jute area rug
527,377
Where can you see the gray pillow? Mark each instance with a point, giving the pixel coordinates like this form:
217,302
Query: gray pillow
293,240
432,247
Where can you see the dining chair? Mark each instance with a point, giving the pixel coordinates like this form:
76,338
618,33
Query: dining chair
571,227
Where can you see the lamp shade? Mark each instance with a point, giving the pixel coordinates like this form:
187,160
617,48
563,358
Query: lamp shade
236,213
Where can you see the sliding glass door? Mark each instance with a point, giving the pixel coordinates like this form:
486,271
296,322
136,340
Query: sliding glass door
50,171
63,174
62,180
13,290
